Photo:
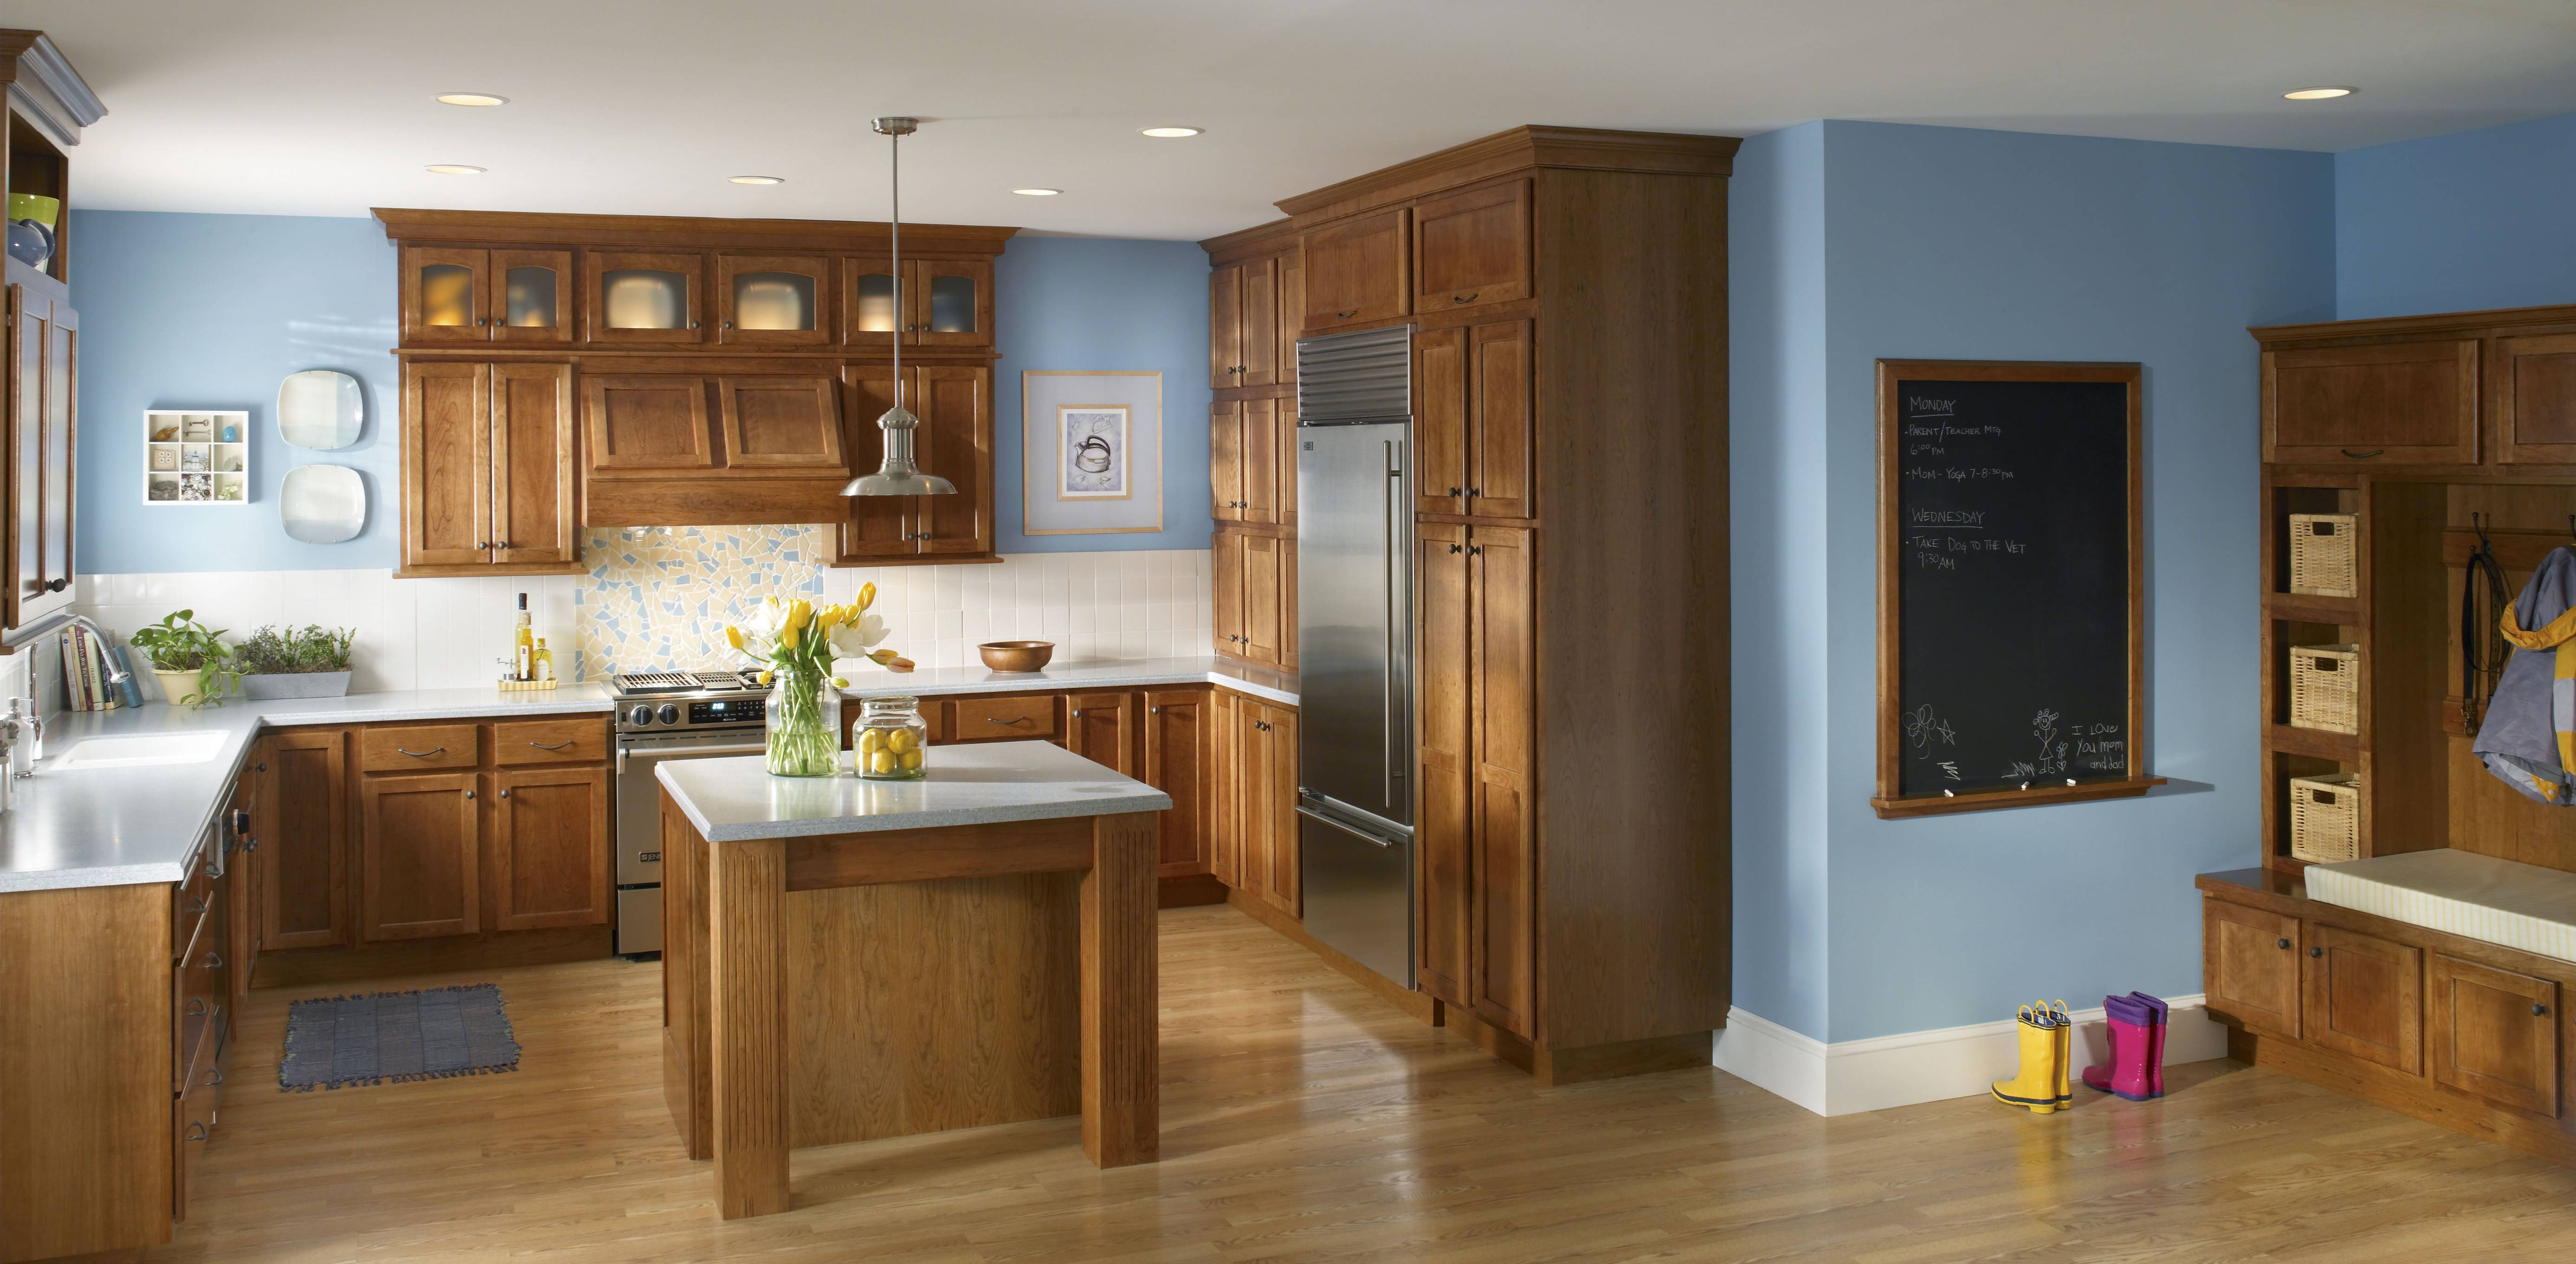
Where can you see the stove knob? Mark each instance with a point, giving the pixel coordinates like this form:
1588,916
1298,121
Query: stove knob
640,715
670,713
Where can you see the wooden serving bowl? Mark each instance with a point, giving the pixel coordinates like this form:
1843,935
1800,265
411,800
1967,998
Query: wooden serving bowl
1016,656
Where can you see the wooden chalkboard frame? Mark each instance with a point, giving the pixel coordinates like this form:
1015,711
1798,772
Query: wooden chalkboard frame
1888,802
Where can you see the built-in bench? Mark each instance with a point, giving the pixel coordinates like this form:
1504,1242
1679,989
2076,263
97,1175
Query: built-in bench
2505,902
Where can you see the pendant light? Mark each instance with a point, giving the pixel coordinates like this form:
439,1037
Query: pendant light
898,476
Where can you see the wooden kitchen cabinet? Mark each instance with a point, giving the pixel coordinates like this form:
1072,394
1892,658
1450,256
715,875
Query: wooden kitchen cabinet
43,417
1243,323
2495,1034
1225,797
420,846
1225,587
2532,391
2389,403
302,821
550,847
648,298
1261,591
1225,460
1250,462
2362,995
1472,249
462,295
774,300
1101,727
1252,591
1503,877
1178,756
779,422
951,302
1260,796
534,496
487,469
1472,429
1359,269
2249,965
954,441
1444,921
1440,421
648,422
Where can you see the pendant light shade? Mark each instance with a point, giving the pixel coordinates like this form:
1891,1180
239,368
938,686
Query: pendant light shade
899,475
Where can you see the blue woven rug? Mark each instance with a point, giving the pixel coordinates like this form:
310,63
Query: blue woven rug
345,1041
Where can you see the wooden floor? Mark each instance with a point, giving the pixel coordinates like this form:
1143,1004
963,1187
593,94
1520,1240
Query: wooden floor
1305,1120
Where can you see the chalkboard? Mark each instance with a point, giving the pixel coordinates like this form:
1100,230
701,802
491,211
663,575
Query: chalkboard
2010,602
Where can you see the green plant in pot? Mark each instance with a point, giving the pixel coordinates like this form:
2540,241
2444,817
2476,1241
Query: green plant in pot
194,665
307,662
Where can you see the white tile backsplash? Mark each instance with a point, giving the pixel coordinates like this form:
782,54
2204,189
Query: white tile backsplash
448,633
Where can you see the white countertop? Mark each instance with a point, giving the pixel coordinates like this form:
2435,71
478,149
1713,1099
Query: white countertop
735,799
870,681
109,826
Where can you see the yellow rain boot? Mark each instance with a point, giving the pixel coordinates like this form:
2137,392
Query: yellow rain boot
2035,1085
2065,1025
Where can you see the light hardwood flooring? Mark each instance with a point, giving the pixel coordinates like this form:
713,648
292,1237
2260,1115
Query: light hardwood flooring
1303,1119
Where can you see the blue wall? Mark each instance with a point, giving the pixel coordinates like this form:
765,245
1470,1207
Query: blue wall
211,311
1948,243
1074,303
2457,223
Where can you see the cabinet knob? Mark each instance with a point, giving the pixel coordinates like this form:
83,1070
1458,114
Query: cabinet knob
2285,943
1453,548
469,794
2315,952
728,324
1475,550
482,320
482,544
58,585
1475,491
2538,1010
1077,713
693,324
1456,492
1153,710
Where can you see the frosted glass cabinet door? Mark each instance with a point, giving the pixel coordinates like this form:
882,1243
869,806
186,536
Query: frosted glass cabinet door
772,300
636,297
868,304
532,296
951,301
443,295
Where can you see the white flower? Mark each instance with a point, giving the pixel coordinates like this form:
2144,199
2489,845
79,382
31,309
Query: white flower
854,640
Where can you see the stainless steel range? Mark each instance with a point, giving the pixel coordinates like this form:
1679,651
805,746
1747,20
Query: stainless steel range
668,715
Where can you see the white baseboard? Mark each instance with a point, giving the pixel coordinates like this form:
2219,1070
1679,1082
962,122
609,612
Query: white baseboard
1924,1066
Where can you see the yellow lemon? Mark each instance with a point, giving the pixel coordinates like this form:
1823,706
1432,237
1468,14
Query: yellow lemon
911,760
901,740
882,761
872,740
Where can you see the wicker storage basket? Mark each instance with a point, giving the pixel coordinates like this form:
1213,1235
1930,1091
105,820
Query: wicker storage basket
2324,555
2325,687
2325,818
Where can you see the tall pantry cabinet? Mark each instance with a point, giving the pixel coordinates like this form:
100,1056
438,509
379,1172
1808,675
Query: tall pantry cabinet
1567,295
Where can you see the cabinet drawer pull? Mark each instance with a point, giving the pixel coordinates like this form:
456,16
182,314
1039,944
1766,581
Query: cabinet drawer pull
1463,298
2285,943
435,750
2316,953
196,1132
557,746
995,719
196,1006
1347,315
2538,1010
2364,456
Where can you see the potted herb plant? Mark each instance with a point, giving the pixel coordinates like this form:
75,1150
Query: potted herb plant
307,662
195,667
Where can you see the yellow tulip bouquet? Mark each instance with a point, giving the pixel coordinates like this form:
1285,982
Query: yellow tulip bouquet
797,642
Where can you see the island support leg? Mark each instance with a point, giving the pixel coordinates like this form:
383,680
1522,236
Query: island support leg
1121,1076
747,994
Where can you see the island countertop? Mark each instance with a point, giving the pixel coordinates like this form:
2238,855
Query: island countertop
735,799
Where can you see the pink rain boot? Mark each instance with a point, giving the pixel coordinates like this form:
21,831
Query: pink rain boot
2155,1043
2132,1033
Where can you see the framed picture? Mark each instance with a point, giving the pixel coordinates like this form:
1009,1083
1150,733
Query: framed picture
1091,451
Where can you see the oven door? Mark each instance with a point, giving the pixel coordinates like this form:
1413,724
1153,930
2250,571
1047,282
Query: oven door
639,793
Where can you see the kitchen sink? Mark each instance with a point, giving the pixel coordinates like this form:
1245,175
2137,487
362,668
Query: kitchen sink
130,752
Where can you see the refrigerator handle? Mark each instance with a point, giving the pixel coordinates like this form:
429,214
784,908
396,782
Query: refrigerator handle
1398,516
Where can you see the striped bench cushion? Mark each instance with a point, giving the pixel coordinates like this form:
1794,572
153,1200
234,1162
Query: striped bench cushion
2477,897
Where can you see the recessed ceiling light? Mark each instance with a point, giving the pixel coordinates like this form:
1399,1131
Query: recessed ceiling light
1171,133
471,98
1037,192
454,169
756,179
2317,94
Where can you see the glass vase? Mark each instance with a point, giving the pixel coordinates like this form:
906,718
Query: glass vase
891,742
804,725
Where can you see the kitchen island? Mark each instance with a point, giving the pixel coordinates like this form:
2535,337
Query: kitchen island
845,960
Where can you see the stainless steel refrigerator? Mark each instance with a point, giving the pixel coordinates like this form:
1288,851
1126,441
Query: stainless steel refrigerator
1355,643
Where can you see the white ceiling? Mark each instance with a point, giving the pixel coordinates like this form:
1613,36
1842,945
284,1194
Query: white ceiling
322,107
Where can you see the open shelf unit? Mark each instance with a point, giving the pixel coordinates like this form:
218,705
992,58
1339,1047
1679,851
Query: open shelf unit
188,461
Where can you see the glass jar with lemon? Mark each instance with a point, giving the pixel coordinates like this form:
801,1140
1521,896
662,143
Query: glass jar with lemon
891,741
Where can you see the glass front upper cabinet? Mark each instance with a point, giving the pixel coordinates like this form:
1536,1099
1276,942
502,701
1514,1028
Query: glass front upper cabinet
945,303
452,294
638,297
772,300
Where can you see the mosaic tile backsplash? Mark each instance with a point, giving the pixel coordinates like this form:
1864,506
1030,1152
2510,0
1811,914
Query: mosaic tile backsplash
661,596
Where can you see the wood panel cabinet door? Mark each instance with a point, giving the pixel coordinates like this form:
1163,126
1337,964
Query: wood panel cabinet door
1472,248
1225,787
1291,320
1503,881
1257,341
876,526
2495,1034
532,462
1282,884
1226,591
955,442
1261,470
1225,326
639,297
61,446
648,421
1101,727
1440,420
1444,943
43,414
531,297
951,301
1253,768
2401,403
1260,599
420,847
1225,460
1359,269
774,300
781,424
2249,964
1178,750
302,821
2363,995
550,848
446,296
1499,440
2532,389
447,464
